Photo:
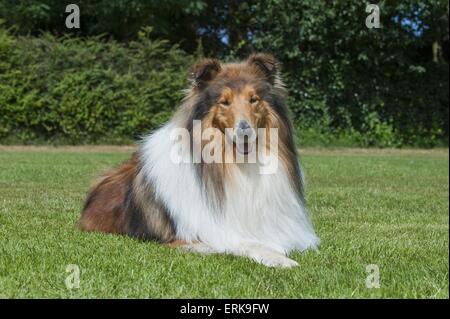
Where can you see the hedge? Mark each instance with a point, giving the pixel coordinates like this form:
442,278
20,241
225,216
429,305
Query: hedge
87,90
84,90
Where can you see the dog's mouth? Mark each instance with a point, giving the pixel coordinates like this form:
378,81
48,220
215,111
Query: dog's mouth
243,145
244,148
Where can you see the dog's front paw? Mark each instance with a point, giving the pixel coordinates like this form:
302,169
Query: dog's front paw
199,248
272,259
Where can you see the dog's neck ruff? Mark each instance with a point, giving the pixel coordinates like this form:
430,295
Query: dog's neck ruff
260,208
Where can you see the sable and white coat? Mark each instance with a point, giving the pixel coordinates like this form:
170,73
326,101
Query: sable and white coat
219,207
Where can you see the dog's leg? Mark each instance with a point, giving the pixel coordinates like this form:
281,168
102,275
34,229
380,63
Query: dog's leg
264,255
257,252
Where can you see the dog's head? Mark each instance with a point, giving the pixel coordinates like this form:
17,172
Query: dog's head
239,98
243,103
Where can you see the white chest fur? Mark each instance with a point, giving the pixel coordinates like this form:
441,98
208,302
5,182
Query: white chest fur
258,208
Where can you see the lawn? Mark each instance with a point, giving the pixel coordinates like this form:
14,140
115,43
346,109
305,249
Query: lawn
383,207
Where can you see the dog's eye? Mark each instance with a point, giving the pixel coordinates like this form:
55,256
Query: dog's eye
225,103
254,99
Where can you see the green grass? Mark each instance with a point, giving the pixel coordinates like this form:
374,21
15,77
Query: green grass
388,208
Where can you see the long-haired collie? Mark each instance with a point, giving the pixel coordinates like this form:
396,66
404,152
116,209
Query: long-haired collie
222,176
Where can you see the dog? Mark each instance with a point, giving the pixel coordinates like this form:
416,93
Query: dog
194,192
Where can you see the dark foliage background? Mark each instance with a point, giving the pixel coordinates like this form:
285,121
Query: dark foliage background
121,74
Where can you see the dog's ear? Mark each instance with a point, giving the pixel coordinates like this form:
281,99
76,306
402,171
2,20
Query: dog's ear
265,64
204,71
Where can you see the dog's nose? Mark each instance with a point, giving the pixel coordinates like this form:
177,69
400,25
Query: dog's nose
244,130
243,125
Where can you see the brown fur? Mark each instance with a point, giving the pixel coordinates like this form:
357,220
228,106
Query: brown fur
122,202
104,208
